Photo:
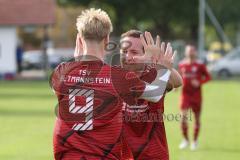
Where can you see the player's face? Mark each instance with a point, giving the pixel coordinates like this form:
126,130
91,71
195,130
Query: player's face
131,47
190,52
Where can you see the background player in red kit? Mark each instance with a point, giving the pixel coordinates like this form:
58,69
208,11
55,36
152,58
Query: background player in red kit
194,74
143,124
90,95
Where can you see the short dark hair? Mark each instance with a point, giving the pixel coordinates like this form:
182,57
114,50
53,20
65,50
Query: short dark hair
132,33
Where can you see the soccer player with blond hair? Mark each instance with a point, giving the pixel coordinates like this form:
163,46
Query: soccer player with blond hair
90,94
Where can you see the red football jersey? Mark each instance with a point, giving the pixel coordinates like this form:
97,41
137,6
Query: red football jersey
144,130
192,71
90,96
144,127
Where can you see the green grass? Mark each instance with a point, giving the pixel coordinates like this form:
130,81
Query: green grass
27,121
220,133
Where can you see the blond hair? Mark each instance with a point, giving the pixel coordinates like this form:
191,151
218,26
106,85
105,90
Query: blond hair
94,24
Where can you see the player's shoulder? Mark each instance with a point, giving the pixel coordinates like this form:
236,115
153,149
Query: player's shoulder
64,65
59,66
67,66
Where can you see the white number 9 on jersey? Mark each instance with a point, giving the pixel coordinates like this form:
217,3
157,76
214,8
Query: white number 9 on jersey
87,109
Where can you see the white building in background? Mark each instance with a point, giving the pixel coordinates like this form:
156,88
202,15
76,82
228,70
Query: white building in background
8,45
20,13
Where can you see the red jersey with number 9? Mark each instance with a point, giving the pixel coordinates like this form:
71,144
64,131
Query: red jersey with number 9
89,122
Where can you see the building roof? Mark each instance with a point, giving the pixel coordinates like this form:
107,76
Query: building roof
27,12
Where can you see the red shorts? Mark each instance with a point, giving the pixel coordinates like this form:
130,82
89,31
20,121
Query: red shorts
193,103
195,107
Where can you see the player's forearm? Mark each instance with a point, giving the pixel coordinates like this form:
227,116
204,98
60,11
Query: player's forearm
153,92
205,78
175,79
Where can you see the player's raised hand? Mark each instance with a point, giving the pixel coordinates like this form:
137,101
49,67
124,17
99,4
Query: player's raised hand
166,56
151,48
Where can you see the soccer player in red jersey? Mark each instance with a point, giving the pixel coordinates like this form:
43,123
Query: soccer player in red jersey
194,74
143,123
90,94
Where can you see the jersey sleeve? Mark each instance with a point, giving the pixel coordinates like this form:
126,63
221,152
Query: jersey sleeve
55,78
127,84
149,75
58,76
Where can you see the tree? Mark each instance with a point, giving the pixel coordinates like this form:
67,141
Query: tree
156,16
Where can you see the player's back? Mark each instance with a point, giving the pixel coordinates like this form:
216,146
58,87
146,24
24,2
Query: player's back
89,118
